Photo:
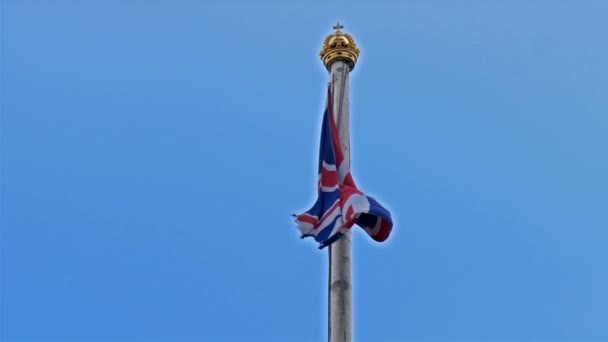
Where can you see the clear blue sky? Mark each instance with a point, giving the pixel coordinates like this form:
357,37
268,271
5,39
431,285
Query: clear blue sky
152,152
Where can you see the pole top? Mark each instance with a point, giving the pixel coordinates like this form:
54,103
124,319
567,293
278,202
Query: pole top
339,46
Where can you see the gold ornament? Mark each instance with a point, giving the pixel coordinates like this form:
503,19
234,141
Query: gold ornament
339,46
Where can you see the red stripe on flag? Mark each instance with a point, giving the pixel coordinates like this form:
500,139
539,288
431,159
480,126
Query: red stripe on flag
385,231
329,178
307,218
333,208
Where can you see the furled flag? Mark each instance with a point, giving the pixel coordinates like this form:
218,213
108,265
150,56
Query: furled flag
340,204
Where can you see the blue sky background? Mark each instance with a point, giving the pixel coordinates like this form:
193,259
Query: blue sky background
152,152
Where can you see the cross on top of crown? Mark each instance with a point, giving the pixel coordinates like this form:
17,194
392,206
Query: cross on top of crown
338,26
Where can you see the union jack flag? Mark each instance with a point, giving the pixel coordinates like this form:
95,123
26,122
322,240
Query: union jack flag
340,204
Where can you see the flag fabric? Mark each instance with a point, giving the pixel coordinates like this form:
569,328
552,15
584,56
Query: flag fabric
340,204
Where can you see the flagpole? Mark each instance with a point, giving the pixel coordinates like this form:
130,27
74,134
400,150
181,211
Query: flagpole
340,252
339,55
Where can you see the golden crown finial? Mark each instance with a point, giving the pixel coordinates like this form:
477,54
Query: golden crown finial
339,46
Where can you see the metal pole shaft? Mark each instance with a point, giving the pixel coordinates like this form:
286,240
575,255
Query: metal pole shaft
340,284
